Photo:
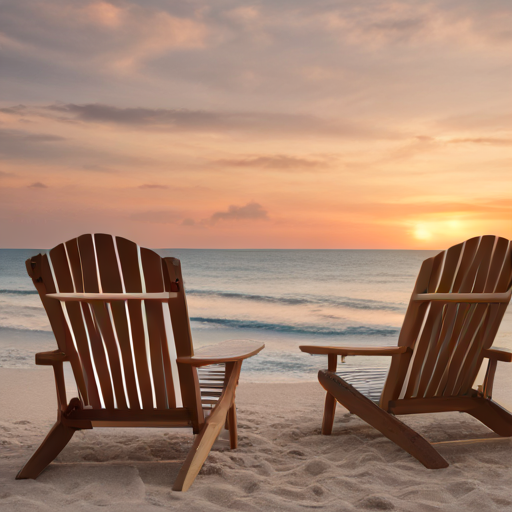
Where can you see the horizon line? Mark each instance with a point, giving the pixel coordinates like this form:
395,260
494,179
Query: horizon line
238,249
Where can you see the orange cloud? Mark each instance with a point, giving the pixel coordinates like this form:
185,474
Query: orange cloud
251,211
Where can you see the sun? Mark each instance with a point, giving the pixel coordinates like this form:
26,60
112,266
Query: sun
422,233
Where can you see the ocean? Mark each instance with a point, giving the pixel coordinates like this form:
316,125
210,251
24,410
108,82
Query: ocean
284,298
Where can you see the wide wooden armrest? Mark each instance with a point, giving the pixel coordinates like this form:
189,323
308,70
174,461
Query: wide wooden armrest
355,351
498,353
50,358
110,297
463,297
225,352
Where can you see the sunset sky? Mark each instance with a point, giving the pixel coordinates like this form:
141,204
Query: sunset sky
275,124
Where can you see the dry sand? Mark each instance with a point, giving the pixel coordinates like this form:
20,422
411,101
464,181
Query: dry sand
283,463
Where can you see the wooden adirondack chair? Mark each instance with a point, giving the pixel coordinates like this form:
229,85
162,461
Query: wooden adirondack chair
119,315
455,310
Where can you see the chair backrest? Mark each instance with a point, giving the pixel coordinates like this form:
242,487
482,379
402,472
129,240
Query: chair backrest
123,352
454,314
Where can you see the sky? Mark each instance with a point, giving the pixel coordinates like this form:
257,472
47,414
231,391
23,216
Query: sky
276,124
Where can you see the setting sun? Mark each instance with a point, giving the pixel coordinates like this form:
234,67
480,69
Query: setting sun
422,233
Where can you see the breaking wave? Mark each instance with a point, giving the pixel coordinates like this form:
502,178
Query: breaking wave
311,300
358,330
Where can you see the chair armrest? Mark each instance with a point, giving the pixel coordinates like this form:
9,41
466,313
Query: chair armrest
498,354
51,358
111,297
356,351
225,352
472,298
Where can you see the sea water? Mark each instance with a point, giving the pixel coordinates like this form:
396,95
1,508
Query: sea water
284,298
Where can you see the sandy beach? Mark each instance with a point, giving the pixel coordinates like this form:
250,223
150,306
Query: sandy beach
283,463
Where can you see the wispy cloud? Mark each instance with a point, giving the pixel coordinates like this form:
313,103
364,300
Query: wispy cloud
413,23
118,36
275,162
13,136
426,208
486,141
14,110
215,121
38,184
25,145
152,185
478,121
251,211
98,168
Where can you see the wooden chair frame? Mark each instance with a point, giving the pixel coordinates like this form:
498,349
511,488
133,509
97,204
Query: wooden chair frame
77,307
454,314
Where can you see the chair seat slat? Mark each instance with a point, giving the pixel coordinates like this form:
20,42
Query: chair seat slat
369,381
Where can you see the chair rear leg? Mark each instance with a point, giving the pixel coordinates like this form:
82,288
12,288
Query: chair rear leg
329,410
58,437
384,422
493,416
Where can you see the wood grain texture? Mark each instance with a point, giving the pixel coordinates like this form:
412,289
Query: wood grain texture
56,440
80,356
111,297
81,318
129,259
499,354
213,426
430,332
472,298
354,351
386,423
330,401
227,351
493,416
153,277
178,309
112,283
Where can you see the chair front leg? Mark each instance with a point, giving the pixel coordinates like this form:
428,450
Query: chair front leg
209,433
330,401
58,437
489,378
